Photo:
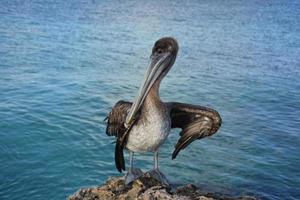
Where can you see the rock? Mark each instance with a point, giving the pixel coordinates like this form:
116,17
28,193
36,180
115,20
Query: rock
146,188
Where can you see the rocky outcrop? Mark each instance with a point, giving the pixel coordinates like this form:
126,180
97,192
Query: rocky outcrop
146,188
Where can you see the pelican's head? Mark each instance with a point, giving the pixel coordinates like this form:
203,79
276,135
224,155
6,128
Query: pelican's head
164,53
162,58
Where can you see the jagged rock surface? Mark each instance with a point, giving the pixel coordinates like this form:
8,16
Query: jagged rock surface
145,188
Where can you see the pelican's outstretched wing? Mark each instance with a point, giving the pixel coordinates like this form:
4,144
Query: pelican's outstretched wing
196,122
115,127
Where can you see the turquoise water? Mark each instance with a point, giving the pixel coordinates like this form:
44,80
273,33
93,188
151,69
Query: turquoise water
63,64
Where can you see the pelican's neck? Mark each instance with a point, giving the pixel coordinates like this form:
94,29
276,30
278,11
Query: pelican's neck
153,100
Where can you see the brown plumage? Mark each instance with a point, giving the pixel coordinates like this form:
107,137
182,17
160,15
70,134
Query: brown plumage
116,119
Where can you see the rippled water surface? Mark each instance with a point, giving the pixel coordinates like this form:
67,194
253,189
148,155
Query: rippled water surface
63,64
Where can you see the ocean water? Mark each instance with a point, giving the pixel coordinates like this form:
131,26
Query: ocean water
63,64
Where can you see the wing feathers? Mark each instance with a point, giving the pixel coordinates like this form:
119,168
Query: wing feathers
196,122
115,127
119,156
116,118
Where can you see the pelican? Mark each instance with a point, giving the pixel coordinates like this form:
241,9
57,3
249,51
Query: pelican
144,125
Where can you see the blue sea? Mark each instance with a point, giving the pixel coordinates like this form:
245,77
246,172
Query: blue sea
63,64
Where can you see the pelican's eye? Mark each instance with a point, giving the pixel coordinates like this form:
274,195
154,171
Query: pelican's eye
159,51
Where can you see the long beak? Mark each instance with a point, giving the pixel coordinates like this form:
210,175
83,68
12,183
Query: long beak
157,66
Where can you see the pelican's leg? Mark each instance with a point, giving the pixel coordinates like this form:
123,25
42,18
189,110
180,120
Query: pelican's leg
133,173
156,173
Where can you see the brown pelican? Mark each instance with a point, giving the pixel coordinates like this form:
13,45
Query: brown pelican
143,126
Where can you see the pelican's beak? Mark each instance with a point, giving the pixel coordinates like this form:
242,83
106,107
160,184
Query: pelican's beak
159,64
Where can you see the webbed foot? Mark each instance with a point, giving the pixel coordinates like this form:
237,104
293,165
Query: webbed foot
132,174
158,175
